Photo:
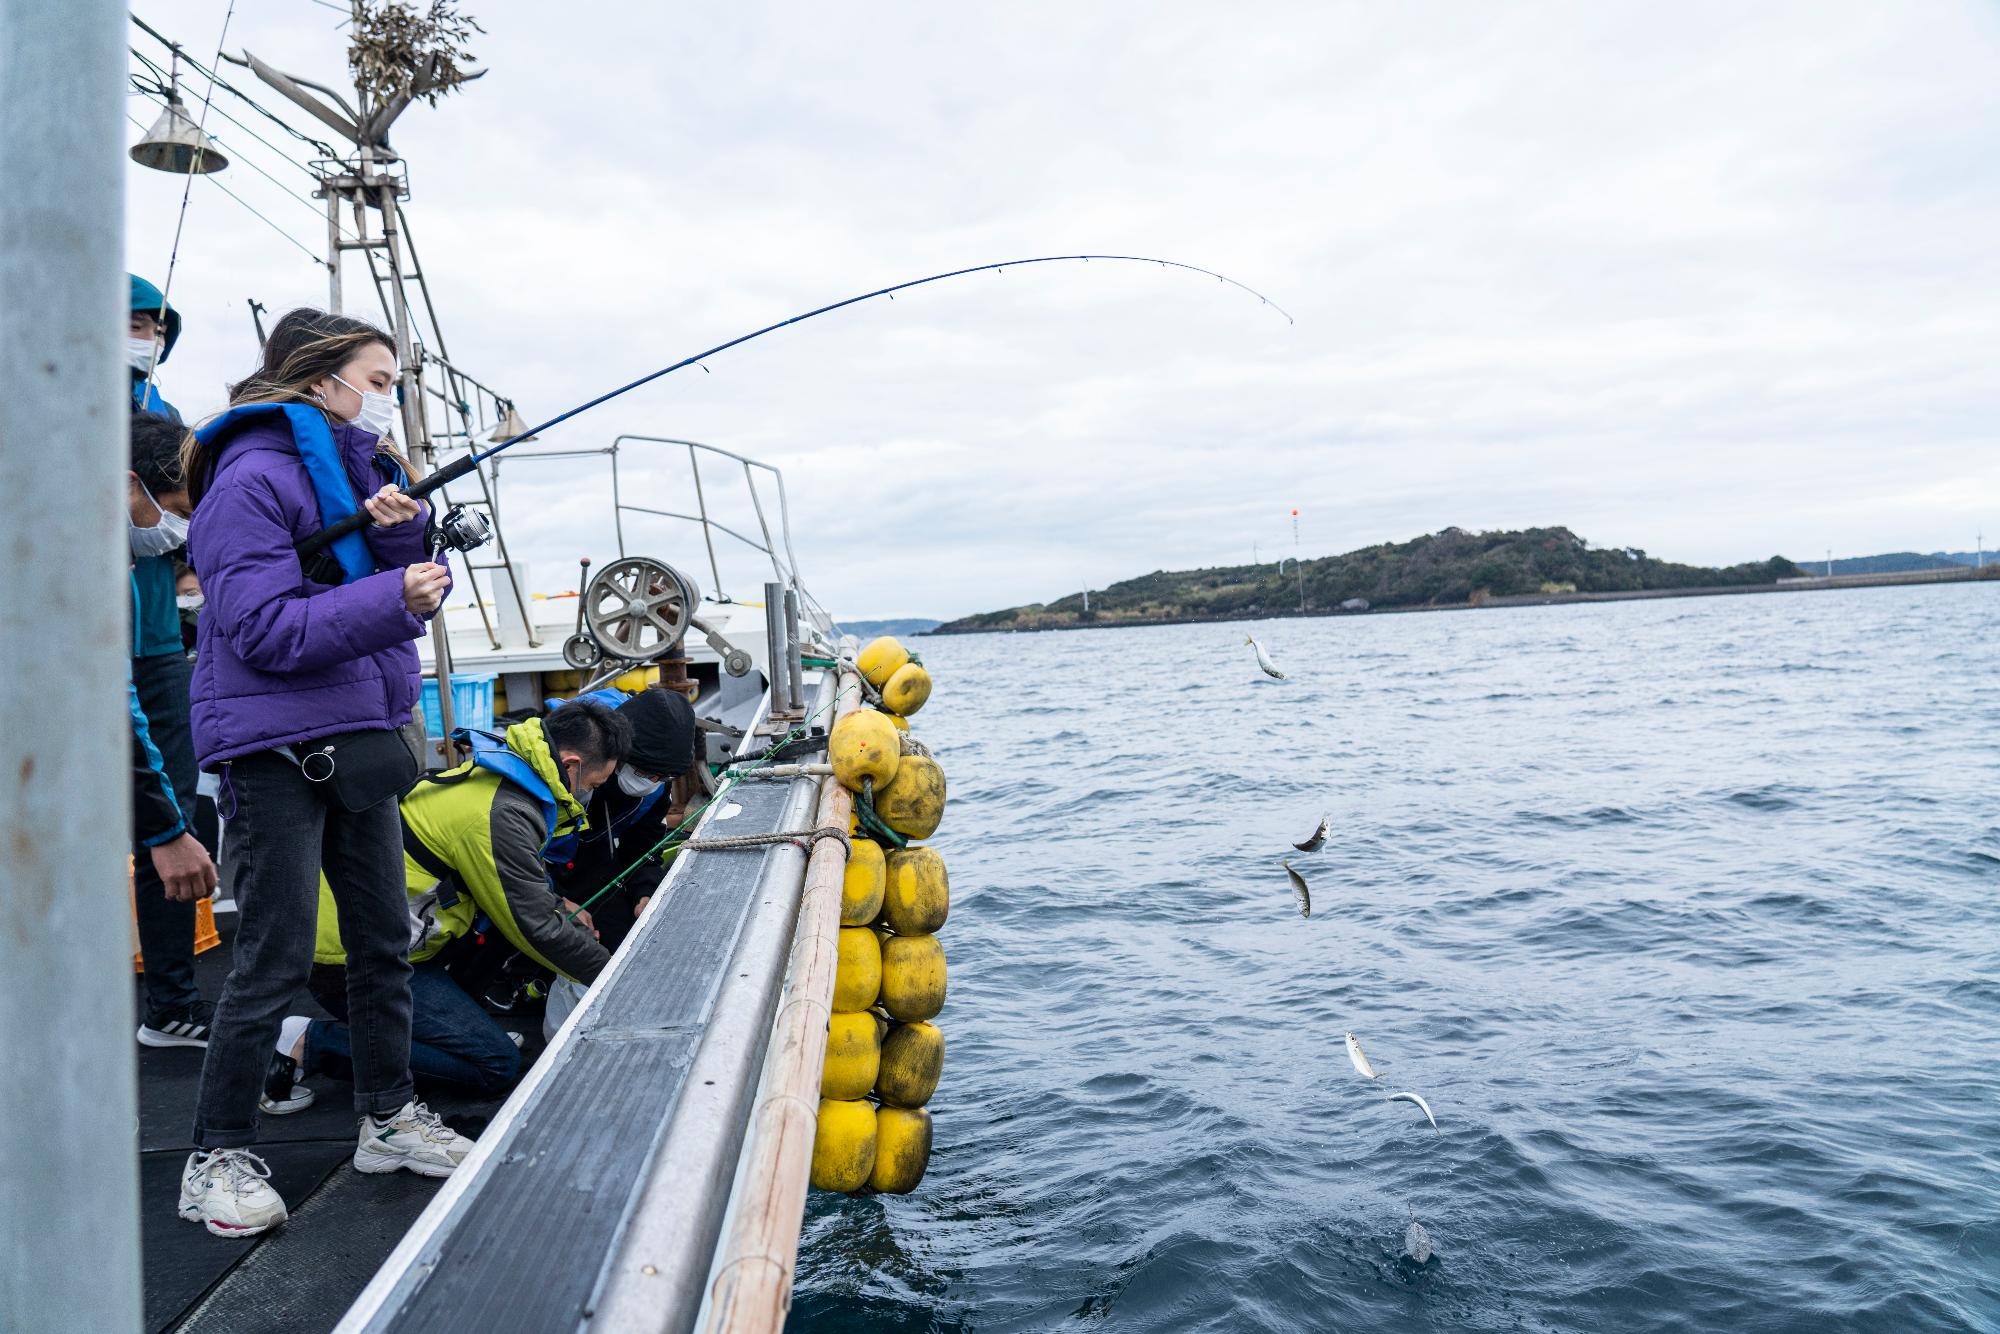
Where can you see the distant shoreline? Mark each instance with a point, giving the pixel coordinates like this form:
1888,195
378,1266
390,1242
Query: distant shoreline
1818,584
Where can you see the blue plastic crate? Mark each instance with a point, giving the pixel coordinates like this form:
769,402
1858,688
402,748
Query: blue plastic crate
471,704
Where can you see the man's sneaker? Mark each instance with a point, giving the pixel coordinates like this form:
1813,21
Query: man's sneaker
179,1026
227,1190
283,1094
416,1138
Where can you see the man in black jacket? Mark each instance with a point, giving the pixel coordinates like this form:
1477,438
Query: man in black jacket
628,817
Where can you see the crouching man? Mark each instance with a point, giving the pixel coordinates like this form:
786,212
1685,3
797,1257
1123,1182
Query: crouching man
473,840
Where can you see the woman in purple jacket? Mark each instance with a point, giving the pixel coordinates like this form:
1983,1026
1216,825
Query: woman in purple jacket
305,672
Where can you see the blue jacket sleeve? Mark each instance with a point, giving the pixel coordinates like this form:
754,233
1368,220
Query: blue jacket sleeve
156,815
258,597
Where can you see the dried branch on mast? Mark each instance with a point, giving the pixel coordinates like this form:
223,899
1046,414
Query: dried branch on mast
402,51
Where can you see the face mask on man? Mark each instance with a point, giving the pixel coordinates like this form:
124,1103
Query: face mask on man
140,352
378,411
170,532
189,601
635,784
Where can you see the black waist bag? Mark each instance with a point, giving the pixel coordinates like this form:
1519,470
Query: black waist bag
359,770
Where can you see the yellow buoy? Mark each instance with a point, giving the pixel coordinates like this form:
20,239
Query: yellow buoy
853,1055
912,977
864,746
861,888
843,1145
879,661
913,802
902,1149
907,689
912,1059
898,721
857,977
917,896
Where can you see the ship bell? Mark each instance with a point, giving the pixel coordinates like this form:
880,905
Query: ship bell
510,425
177,144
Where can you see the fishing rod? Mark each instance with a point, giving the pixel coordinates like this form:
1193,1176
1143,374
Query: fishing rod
451,472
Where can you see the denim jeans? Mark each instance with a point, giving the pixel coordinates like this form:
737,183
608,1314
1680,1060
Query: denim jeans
166,929
452,1038
280,835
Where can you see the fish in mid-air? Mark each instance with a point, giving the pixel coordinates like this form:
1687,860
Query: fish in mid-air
1299,890
1417,1242
1418,1099
1360,1058
1318,839
1263,658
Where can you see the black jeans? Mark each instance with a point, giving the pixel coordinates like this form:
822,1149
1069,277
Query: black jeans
166,929
452,1039
280,834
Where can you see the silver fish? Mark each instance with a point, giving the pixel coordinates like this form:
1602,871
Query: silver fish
1264,659
1418,1099
1417,1243
1360,1058
1318,840
1299,890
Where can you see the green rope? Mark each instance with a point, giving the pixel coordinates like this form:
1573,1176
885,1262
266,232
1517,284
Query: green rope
864,810
735,777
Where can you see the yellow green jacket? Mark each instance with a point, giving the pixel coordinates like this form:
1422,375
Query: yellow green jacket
487,820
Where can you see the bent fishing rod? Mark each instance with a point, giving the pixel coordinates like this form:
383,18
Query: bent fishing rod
458,468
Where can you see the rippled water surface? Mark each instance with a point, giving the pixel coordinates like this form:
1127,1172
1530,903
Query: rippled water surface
1683,915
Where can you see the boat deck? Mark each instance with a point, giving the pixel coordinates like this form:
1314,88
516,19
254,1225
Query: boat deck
611,1161
299,1277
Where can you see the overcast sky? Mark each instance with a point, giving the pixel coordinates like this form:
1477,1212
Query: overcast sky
1715,280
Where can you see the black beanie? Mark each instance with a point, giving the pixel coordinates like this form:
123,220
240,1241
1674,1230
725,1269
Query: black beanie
662,731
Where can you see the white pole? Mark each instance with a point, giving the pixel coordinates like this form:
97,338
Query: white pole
69,1174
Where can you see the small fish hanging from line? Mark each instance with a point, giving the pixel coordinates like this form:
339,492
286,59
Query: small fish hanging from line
1300,892
1416,1241
1418,1099
1360,1058
1318,839
1264,659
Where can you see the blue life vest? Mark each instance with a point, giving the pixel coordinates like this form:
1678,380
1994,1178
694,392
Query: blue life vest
330,484
491,753
561,851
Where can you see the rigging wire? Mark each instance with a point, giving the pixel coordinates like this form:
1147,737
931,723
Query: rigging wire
187,188
325,149
251,210
157,89
239,156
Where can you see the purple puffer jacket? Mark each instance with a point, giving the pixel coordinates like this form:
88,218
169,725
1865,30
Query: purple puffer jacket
281,658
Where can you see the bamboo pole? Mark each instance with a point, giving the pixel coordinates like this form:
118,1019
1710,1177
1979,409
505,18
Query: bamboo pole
752,1285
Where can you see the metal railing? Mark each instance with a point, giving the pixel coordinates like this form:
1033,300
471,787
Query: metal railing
785,567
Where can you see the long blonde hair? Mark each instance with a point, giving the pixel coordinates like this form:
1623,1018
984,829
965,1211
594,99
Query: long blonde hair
305,346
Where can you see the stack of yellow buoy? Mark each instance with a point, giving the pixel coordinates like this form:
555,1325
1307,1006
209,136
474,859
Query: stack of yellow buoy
883,1055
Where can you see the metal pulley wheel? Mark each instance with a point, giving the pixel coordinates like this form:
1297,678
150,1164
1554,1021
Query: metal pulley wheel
638,609
582,652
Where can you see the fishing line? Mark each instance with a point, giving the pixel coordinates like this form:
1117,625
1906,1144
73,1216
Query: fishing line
735,777
187,187
451,472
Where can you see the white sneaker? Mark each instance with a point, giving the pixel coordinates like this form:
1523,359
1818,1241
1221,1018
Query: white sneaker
227,1190
416,1138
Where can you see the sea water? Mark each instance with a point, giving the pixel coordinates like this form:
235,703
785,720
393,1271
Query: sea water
1682,915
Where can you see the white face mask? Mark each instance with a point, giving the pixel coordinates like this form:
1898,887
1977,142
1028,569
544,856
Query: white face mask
378,411
635,784
171,531
189,601
140,352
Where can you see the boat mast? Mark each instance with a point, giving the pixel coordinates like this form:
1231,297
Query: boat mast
69,1181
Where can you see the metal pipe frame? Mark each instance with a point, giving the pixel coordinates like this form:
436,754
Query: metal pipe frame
69,1176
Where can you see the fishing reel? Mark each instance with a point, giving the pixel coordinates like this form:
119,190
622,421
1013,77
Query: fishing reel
459,529
638,610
